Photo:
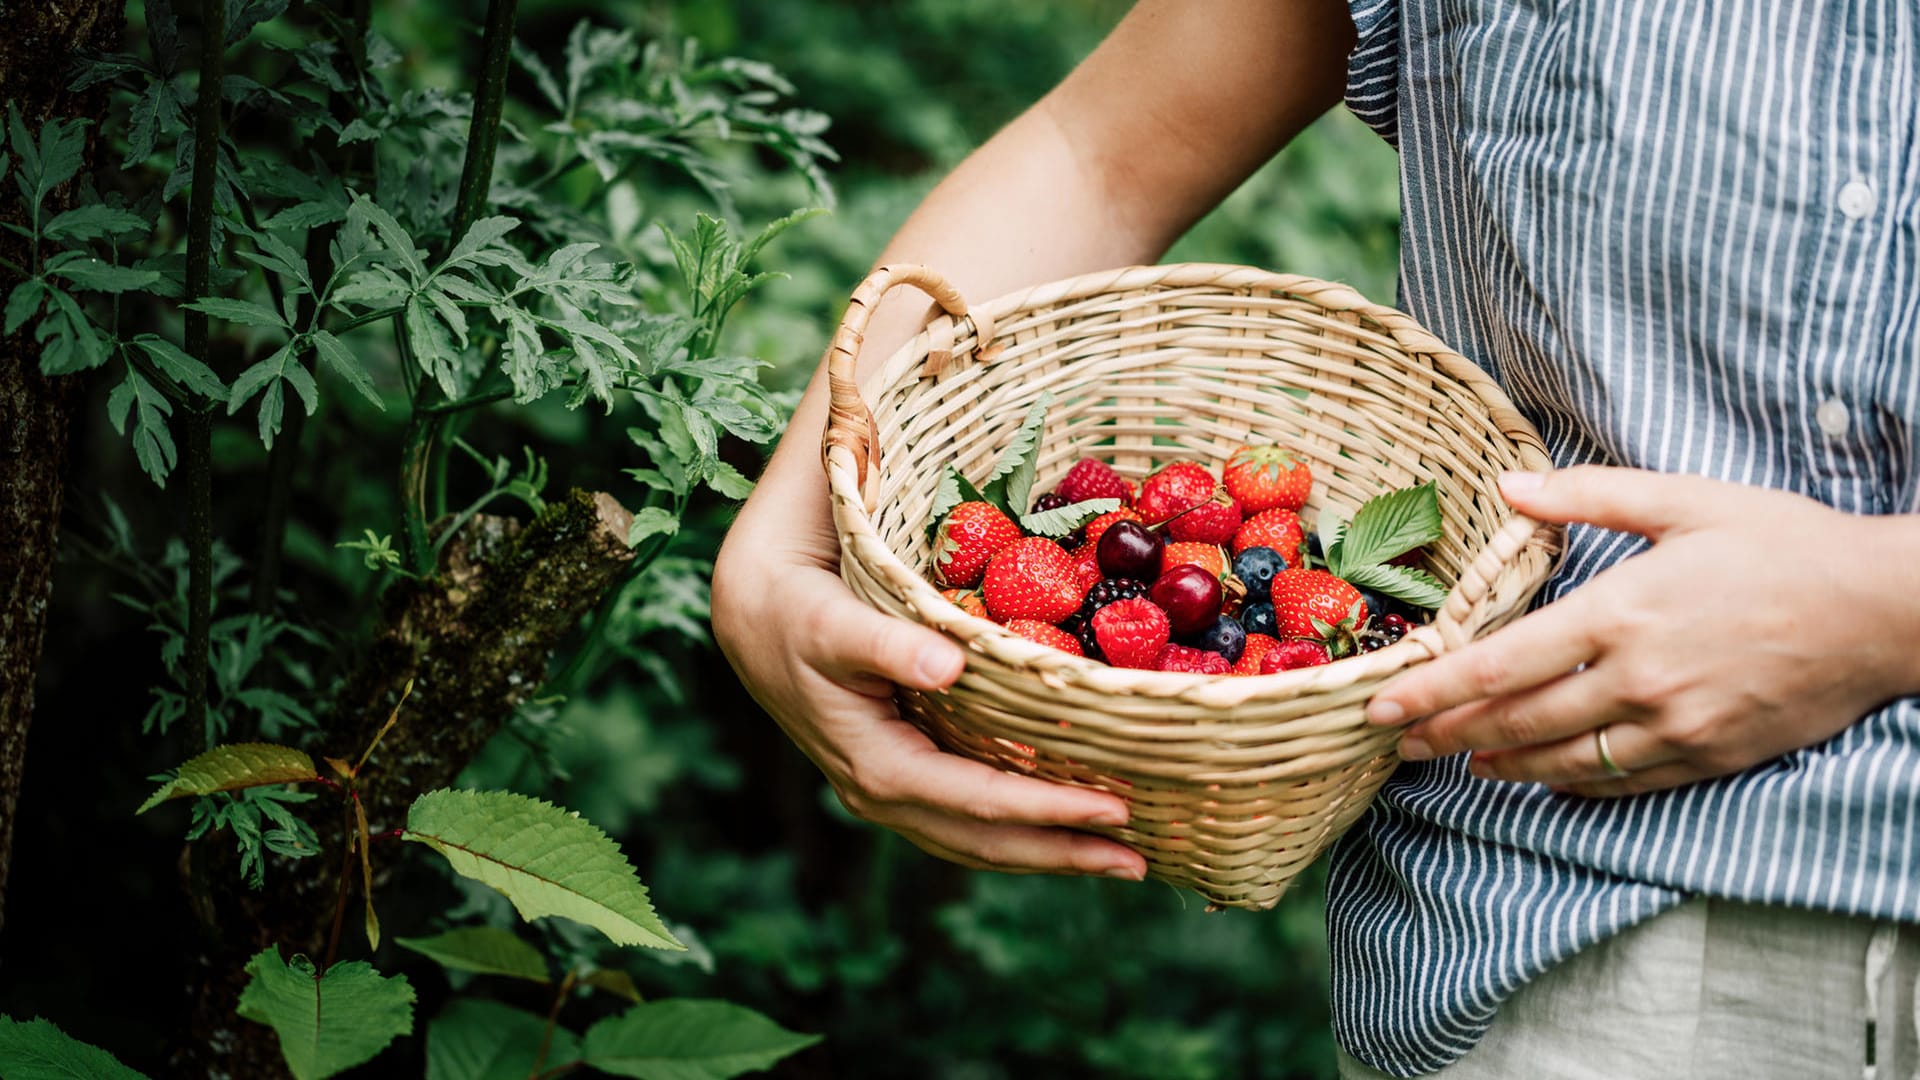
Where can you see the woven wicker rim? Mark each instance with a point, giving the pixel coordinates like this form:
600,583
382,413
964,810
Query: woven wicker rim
852,460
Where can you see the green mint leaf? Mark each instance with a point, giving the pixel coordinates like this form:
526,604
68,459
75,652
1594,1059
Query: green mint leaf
37,1050
542,858
330,1022
488,950
1415,586
688,1039
1060,521
1391,524
1011,480
729,482
652,521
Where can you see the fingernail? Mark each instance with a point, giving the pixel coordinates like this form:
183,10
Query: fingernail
1125,873
1415,748
1521,483
1385,712
1110,817
936,663
1480,769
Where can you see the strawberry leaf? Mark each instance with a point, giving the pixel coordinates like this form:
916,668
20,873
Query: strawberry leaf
953,490
1011,480
1388,525
1062,520
1407,583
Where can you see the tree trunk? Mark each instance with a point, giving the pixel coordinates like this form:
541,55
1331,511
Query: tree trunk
37,46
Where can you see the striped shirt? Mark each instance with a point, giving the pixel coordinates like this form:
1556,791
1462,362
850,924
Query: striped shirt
1683,236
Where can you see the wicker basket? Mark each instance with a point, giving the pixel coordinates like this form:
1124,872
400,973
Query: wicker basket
1236,784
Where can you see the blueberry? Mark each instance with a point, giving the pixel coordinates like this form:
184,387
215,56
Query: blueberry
1259,619
1225,637
1256,567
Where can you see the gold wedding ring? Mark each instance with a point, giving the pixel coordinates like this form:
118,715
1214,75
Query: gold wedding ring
1606,755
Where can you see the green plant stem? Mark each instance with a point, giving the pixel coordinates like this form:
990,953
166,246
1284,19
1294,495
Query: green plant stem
346,880
198,452
483,134
553,1017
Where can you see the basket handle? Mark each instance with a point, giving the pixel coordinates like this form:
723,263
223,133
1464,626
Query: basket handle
1491,574
849,422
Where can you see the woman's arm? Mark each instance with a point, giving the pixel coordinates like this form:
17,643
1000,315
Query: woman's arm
1179,105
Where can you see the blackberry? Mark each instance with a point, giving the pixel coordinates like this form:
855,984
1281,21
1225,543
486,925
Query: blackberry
1109,591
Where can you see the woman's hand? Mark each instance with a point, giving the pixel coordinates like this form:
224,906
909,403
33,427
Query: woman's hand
1758,623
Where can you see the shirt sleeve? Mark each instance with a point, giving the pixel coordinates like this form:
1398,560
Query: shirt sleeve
1373,68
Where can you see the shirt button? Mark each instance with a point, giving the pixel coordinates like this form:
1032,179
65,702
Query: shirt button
1832,417
1856,199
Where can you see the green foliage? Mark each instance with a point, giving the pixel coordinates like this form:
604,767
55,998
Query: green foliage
249,815
37,1050
1008,485
232,767
487,950
543,859
1386,526
688,1040
474,1039
327,1022
1063,520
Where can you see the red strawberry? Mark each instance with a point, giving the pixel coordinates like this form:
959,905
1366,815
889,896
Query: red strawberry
1090,479
1263,477
1277,529
1033,578
1208,557
1046,635
1179,486
967,600
1086,568
1258,645
1197,661
970,535
1131,632
1100,524
1211,522
1300,597
1287,655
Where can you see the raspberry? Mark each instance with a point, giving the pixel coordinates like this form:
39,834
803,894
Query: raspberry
1197,661
1289,655
1131,632
1179,486
1090,479
1258,646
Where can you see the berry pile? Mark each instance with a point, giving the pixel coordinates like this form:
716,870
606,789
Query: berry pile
1187,572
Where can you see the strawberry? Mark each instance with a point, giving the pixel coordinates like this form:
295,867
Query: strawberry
970,535
1288,655
1258,645
1277,529
967,600
1212,522
1179,486
1033,578
1315,604
1265,477
1091,479
1086,568
1196,661
1207,557
1099,525
1046,635
1130,633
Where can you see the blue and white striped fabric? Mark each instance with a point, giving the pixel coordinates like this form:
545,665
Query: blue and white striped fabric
1684,236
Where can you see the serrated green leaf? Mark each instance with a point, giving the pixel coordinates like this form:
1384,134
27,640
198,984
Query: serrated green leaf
1011,480
542,858
191,373
69,340
729,482
393,237
232,767
98,275
326,1023
37,1050
152,442
613,981
1389,525
23,303
475,1039
650,521
245,312
1408,583
687,1039
1060,521
93,222
953,490
481,235
346,365
433,347
488,950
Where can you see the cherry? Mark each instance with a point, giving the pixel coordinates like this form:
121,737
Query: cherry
1129,549
1189,595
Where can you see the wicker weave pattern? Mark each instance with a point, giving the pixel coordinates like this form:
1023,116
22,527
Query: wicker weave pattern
1235,784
